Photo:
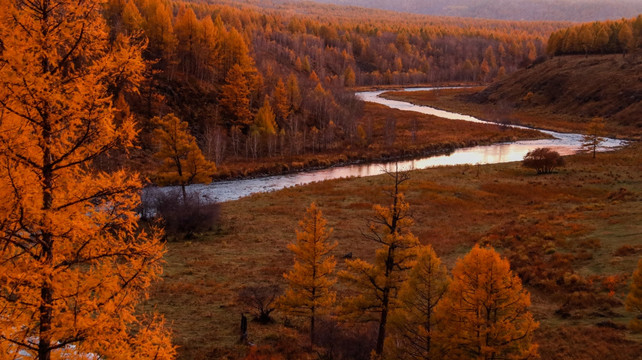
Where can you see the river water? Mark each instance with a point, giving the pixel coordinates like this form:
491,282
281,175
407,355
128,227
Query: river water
564,143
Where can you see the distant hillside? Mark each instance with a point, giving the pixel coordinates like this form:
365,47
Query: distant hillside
557,10
598,85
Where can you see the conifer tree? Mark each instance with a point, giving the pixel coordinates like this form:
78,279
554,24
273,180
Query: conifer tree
349,77
74,262
188,32
183,162
294,93
309,291
265,119
378,283
625,38
413,323
634,299
485,310
235,97
282,103
132,19
593,137
159,30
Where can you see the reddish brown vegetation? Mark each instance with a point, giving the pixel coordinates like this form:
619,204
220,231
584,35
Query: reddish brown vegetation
543,160
558,232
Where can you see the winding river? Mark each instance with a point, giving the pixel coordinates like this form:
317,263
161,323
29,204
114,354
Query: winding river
564,143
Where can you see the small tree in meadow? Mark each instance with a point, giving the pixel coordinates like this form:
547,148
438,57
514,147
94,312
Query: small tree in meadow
310,281
543,160
593,137
183,162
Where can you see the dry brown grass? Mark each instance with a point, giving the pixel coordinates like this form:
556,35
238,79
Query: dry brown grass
563,94
566,228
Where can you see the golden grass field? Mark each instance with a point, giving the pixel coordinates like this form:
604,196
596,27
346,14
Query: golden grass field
565,233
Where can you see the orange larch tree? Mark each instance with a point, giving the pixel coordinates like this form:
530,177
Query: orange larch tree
378,284
183,162
235,97
484,312
264,120
413,323
74,263
310,281
282,103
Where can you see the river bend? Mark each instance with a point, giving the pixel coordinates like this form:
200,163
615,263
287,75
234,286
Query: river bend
564,143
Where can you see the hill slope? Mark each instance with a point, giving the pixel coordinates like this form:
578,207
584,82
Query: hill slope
604,85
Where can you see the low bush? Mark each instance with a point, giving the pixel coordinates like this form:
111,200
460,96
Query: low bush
260,301
180,215
543,160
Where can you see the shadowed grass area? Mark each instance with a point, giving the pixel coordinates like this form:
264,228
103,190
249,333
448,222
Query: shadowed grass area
562,233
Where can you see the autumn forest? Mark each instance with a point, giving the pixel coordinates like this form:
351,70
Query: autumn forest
118,116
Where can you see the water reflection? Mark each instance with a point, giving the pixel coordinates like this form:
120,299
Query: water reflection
564,143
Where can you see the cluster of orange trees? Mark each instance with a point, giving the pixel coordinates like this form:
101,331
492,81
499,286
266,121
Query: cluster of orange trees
421,312
258,82
621,36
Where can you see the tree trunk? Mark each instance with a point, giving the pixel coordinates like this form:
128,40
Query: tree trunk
46,290
381,337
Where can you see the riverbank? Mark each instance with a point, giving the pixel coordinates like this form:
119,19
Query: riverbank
463,100
413,135
576,227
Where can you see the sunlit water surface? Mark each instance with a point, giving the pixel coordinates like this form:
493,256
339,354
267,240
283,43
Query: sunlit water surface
564,143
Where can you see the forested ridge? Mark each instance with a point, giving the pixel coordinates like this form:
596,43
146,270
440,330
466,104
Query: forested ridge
607,37
263,82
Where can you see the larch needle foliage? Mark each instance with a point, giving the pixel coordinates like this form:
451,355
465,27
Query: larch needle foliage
484,312
183,162
74,263
310,282
414,322
378,283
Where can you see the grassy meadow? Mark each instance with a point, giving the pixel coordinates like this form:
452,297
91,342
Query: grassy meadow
573,236
459,100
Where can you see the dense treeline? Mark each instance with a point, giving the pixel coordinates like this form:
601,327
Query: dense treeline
607,37
256,83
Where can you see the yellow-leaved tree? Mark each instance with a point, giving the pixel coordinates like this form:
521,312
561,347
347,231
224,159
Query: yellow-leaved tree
264,120
378,284
413,323
310,282
634,299
74,262
484,312
183,162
